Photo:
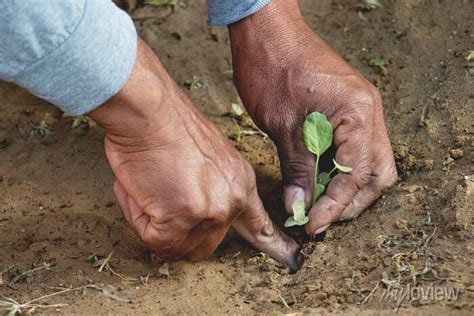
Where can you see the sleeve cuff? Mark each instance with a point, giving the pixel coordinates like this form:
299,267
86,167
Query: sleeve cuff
90,66
225,12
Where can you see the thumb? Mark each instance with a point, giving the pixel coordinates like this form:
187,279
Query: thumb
297,168
257,228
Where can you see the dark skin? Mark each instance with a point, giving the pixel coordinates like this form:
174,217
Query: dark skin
283,71
181,185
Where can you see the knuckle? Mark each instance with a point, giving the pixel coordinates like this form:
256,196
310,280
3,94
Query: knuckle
363,98
240,196
197,212
295,169
362,177
149,239
389,178
278,124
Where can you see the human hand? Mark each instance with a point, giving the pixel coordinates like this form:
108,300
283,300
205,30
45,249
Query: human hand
180,184
283,71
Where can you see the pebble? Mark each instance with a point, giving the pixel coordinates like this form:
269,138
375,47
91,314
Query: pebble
456,153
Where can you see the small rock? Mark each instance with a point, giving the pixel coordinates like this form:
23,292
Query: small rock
448,161
412,188
164,269
456,153
401,224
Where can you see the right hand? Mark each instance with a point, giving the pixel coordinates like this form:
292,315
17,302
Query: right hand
180,184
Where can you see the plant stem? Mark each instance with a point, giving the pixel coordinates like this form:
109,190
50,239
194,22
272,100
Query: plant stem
315,178
333,169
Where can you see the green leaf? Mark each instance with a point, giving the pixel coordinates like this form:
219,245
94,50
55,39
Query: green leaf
298,208
237,109
341,168
370,4
317,133
380,63
291,221
318,190
162,3
470,56
324,178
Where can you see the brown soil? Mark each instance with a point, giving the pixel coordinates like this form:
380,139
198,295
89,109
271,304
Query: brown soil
57,206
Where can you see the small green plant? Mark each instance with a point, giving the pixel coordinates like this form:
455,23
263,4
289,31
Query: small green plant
241,133
195,82
470,56
317,136
299,215
263,256
82,120
238,111
162,3
380,63
369,4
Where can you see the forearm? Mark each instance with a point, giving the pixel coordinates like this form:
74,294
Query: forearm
149,109
275,28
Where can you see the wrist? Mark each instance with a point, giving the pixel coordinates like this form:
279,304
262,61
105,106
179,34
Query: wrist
144,108
277,27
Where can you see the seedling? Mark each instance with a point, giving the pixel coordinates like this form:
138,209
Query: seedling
470,56
238,111
263,256
82,120
317,136
240,116
369,4
162,3
195,82
241,133
381,64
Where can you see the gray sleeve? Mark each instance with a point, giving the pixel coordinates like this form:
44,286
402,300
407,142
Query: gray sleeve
224,12
75,54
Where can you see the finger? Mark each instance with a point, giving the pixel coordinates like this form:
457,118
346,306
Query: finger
197,236
384,173
352,138
122,199
133,214
207,247
366,196
291,194
297,167
254,225
166,240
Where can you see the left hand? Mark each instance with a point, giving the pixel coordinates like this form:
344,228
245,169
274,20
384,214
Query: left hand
283,71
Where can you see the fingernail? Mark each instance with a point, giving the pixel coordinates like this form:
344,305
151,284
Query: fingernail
292,193
297,261
321,229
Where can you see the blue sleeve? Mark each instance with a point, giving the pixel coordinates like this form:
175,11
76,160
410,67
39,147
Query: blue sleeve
75,54
224,12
